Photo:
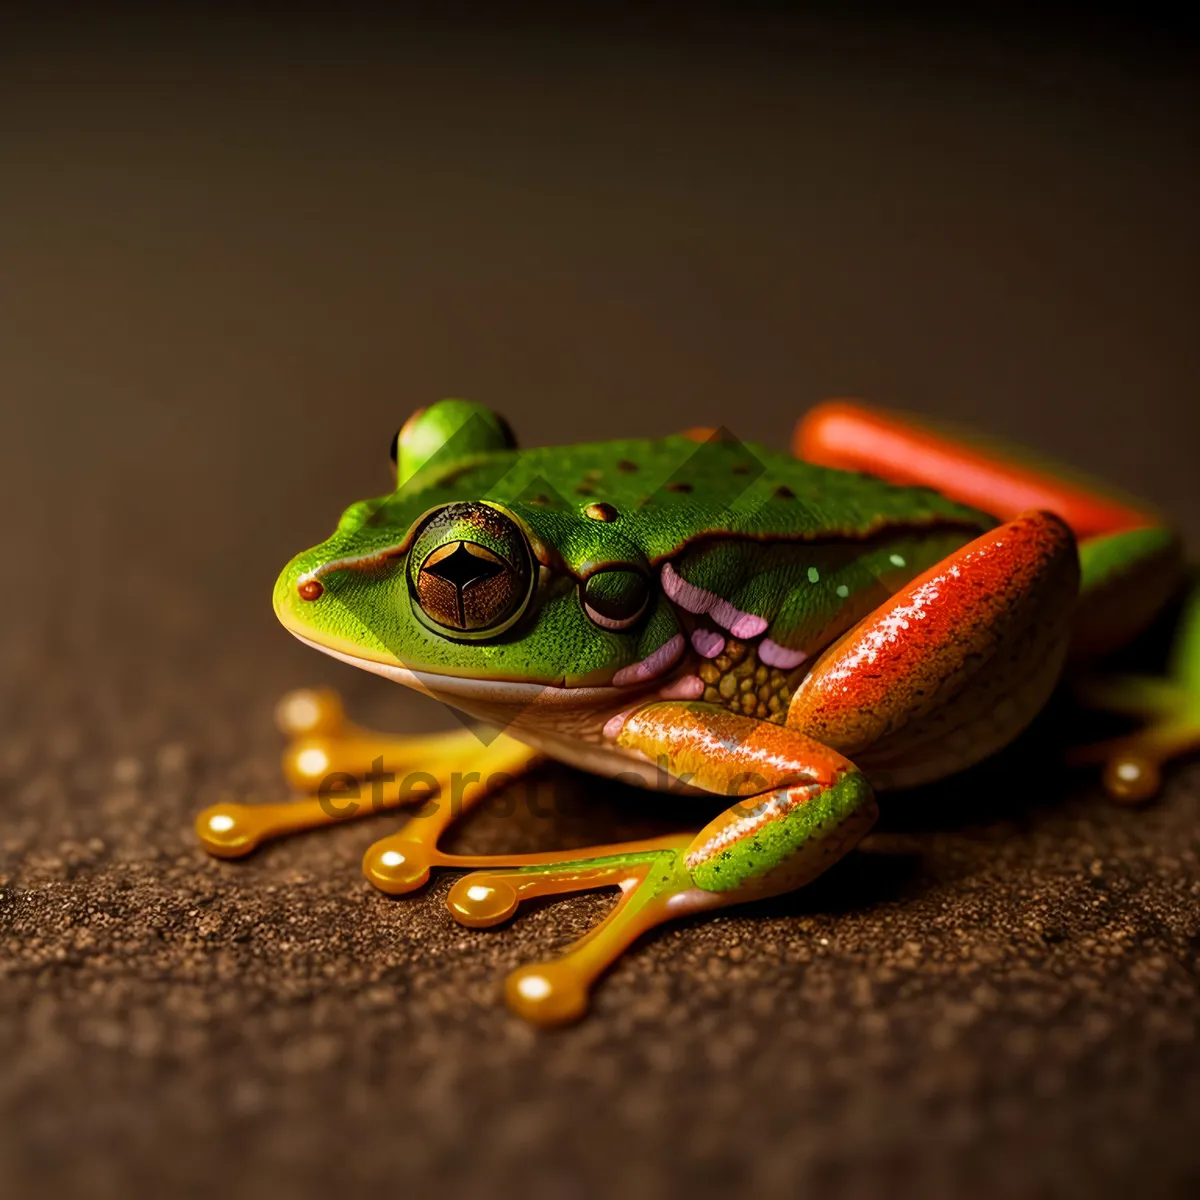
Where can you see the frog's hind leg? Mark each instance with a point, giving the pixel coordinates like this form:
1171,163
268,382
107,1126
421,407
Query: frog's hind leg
954,665
996,479
351,772
1131,566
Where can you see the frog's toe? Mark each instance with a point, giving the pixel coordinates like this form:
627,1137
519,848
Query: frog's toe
1133,765
229,830
350,772
547,994
398,864
482,899
1131,778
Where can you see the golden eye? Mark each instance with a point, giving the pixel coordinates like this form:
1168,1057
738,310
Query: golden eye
615,599
470,570
466,586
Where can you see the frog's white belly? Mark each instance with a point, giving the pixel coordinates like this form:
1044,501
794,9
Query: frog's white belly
608,759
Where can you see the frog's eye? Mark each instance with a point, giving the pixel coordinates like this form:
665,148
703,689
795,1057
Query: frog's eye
616,598
448,431
470,570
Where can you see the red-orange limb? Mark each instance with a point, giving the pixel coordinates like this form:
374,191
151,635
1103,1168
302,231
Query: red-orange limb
855,438
955,664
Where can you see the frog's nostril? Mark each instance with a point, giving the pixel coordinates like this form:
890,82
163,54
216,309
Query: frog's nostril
310,590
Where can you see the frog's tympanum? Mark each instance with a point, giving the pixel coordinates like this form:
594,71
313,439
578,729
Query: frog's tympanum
795,634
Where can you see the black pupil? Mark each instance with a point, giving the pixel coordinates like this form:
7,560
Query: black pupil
394,449
462,568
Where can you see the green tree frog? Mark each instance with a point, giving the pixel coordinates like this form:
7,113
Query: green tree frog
885,606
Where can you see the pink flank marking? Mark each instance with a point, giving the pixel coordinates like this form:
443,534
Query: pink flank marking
653,665
700,600
686,595
708,642
740,624
775,655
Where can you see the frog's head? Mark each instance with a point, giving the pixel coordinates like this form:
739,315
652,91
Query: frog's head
477,581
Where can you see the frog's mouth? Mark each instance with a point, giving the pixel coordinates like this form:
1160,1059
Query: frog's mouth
464,692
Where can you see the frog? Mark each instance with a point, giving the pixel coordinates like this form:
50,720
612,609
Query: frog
786,634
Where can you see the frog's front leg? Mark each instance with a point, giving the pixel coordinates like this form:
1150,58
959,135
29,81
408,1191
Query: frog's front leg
800,806
356,772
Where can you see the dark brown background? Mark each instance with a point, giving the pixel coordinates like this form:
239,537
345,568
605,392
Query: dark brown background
231,262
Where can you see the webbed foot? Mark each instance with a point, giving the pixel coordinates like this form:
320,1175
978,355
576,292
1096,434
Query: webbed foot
655,886
1169,706
1132,763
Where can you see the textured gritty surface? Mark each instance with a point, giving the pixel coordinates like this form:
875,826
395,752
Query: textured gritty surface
229,274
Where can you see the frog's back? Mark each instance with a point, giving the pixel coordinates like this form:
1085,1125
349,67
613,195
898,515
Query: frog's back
677,491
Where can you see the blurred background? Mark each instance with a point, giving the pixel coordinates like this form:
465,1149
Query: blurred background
235,254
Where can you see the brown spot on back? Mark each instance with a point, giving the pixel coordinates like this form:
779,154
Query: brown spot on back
601,512
625,465
783,492
679,486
